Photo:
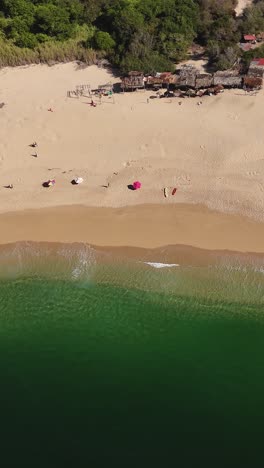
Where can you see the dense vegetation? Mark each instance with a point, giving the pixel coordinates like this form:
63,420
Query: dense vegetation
133,34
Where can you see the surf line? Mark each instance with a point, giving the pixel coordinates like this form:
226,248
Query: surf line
161,265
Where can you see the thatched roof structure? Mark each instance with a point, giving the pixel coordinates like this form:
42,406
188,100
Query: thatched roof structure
256,68
253,82
133,80
203,80
228,79
161,79
186,77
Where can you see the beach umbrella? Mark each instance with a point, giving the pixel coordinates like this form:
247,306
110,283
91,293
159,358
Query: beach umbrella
136,185
78,180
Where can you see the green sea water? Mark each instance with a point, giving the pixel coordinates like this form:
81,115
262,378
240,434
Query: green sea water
126,364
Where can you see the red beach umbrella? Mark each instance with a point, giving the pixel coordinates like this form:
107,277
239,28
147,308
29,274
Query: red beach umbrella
136,185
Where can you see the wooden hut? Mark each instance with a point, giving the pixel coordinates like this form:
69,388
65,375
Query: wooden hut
132,81
203,81
252,82
256,67
228,79
160,80
186,77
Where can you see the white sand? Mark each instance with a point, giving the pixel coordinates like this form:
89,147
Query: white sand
213,153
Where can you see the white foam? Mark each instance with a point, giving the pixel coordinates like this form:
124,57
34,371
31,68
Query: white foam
161,265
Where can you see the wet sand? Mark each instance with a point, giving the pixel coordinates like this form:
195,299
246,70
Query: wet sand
143,226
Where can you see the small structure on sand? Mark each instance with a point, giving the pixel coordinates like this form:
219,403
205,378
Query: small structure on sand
160,80
256,67
186,77
252,82
203,80
133,80
228,79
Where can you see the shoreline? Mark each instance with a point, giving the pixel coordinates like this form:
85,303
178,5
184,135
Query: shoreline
142,226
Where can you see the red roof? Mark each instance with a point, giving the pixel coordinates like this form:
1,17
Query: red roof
249,37
258,61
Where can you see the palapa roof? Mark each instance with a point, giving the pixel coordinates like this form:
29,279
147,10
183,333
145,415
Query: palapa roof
227,78
161,78
134,79
249,37
256,67
203,80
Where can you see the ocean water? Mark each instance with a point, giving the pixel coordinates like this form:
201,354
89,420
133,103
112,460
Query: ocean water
108,361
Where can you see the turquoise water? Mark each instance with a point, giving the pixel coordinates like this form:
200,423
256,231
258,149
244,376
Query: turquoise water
123,364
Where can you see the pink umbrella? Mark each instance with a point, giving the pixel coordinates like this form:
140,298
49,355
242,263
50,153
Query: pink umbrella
136,185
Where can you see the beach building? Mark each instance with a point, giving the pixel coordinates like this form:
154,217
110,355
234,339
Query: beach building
252,82
228,79
203,80
160,80
256,67
186,77
133,80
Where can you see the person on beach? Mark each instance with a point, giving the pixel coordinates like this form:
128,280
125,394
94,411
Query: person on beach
34,144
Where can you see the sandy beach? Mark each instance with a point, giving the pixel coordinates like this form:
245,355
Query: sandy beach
212,154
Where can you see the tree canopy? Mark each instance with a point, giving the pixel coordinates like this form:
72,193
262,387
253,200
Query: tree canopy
133,34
